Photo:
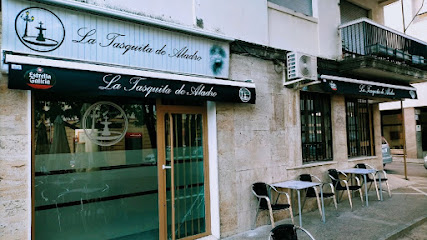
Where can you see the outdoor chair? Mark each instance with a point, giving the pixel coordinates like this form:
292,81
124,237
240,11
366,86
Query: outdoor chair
287,232
375,177
262,192
336,177
313,192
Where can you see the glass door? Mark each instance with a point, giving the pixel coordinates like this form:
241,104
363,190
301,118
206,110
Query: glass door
184,168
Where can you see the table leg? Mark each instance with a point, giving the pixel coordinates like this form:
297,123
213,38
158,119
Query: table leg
323,204
366,189
299,207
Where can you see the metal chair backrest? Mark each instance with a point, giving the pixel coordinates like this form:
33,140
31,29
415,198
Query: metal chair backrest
335,177
307,178
284,232
334,174
261,189
361,165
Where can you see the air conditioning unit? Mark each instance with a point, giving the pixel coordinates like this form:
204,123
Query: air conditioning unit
301,67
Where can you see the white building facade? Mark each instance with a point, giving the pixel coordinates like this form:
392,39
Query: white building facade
414,111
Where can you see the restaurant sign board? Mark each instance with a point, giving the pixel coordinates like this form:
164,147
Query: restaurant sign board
373,90
81,83
53,31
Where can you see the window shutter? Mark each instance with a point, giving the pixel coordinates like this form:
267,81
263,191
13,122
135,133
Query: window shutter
350,12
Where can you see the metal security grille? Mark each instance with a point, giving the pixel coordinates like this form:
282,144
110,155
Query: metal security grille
358,128
316,130
187,203
301,6
365,38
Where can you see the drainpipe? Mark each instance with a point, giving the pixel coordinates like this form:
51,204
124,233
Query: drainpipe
403,20
404,140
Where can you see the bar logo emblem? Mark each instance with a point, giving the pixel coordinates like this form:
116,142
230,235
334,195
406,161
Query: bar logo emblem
105,123
39,29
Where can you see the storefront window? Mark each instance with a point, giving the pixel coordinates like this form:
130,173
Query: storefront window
95,170
316,130
359,130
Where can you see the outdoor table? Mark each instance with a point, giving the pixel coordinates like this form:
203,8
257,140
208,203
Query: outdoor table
298,185
364,172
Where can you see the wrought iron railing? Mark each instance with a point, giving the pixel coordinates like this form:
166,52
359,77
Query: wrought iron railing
363,37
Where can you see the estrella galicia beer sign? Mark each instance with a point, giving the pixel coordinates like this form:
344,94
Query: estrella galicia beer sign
39,78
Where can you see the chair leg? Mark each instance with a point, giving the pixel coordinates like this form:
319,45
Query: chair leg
318,201
361,195
59,216
256,218
271,216
388,188
376,188
335,202
305,198
349,199
340,197
291,213
334,195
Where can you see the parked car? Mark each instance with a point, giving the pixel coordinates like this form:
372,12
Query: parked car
425,162
387,158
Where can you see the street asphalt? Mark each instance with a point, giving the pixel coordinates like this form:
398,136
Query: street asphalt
401,216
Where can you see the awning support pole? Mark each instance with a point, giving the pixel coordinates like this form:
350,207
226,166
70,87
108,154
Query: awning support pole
404,141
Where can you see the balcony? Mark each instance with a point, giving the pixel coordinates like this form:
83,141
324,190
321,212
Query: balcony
376,51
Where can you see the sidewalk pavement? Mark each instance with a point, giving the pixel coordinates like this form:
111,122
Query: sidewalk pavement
399,158
390,219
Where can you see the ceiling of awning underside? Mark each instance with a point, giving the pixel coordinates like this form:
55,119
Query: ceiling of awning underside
374,69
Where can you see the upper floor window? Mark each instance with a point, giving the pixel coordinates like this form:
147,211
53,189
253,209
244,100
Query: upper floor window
316,130
301,6
359,128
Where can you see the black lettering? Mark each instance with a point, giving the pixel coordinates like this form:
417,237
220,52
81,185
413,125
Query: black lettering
85,36
112,38
161,51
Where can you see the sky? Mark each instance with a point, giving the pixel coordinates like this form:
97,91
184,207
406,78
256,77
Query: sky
393,17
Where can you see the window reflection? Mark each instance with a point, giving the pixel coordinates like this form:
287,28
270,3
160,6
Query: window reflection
84,190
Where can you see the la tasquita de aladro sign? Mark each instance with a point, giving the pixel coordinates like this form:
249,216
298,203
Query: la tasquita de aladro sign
66,34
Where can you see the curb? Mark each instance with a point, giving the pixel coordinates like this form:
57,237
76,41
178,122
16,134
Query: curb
399,158
407,227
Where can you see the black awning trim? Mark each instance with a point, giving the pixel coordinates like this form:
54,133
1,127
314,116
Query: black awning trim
370,89
81,83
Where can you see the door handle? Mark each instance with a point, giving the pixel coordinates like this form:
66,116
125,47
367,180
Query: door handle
166,167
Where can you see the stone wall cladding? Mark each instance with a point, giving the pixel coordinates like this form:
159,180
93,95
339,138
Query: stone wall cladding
15,162
255,142
262,142
410,132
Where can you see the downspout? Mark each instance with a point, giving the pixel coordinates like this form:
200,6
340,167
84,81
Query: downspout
404,140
